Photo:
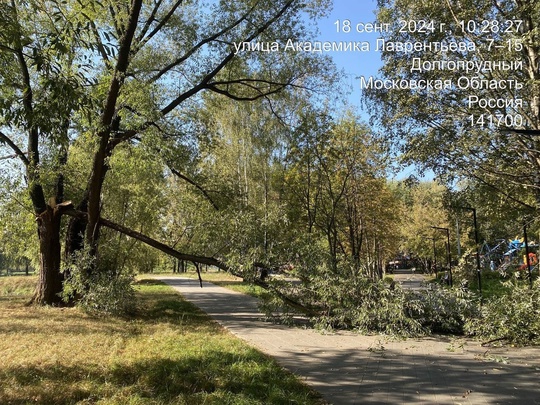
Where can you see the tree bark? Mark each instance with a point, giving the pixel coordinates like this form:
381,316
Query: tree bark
75,231
211,261
49,286
108,120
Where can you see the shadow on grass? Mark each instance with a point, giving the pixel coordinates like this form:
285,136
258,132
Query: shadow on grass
157,304
216,374
172,354
215,377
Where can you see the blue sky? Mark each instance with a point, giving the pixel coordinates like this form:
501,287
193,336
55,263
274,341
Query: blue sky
354,64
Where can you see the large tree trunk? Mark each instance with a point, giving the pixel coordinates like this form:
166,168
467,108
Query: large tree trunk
50,281
109,121
75,230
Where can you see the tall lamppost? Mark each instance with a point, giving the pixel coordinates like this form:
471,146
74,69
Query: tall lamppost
447,250
527,258
478,270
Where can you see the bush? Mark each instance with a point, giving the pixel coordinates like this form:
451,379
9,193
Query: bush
96,288
513,317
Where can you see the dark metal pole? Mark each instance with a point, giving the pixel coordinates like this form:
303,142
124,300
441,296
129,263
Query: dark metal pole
458,239
449,257
478,270
528,260
531,132
434,256
434,253
447,251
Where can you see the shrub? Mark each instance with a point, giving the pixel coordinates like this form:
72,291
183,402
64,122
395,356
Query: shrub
513,317
96,288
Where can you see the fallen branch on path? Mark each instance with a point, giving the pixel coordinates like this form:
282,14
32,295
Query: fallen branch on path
196,259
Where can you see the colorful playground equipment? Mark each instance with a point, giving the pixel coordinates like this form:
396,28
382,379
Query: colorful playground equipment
505,253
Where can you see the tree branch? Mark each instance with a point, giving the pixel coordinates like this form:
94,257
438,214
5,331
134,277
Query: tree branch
206,80
108,123
114,14
100,46
193,183
149,241
149,21
67,209
37,194
253,84
121,65
232,96
18,153
141,39
200,44
498,190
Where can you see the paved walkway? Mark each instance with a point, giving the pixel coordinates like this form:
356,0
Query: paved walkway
409,279
354,369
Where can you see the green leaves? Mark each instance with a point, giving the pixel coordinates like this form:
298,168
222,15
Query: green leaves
446,129
514,317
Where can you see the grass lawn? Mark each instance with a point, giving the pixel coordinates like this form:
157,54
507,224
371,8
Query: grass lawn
169,353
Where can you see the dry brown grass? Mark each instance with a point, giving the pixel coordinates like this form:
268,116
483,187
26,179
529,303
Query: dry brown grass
170,353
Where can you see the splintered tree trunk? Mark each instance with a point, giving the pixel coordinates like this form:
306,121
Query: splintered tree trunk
50,278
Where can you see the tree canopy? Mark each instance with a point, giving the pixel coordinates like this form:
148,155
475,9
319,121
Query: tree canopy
109,73
481,126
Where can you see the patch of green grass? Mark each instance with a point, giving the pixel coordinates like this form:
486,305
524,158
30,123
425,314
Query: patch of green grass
17,286
494,284
229,281
168,353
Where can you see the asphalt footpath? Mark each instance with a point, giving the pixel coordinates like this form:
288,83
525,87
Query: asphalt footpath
348,368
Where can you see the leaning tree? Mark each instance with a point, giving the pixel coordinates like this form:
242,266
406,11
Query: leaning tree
115,72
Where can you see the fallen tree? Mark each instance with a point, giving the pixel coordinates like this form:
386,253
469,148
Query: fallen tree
68,209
